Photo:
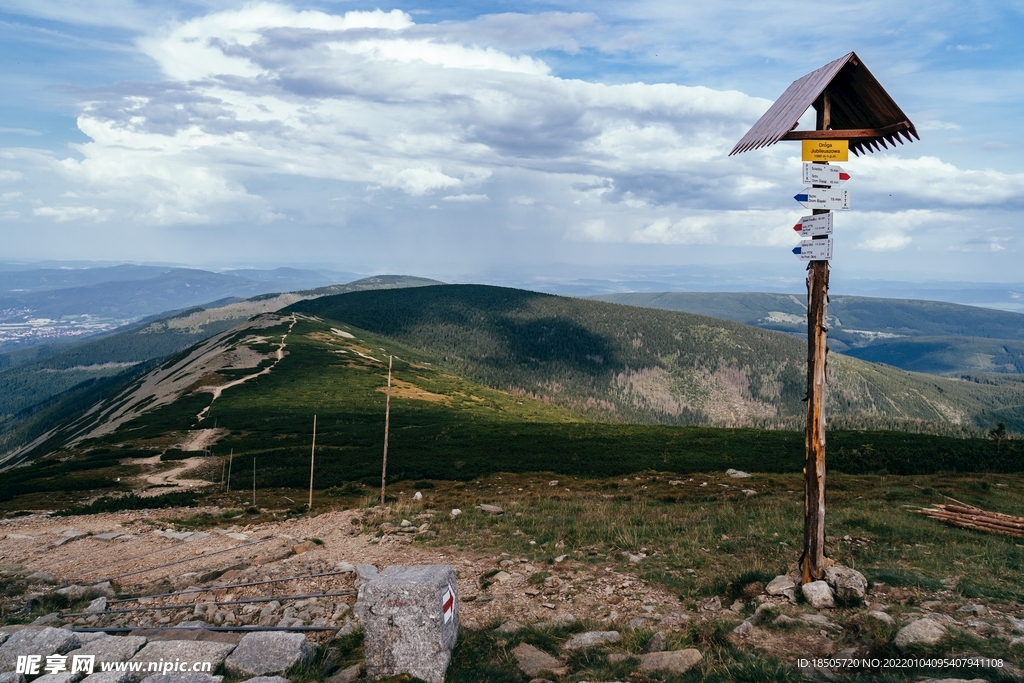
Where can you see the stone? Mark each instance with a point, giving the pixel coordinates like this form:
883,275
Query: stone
591,639
267,679
46,641
976,610
849,584
53,618
818,594
109,536
97,605
510,626
454,513
655,644
737,474
744,629
210,652
108,677
783,621
12,677
780,585
101,590
62,677
41,577
411,621
921,631
490,509
749,492
267,653
417,496
72,592
880,616
364,573
502,577
303,547
349,674
762,614
533,661
111,649
819,620
675,661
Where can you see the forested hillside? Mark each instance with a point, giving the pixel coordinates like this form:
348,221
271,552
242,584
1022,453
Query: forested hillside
631,364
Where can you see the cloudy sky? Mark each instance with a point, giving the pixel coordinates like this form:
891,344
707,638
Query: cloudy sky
446,139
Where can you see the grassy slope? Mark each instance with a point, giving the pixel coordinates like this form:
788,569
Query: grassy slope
631,364
944,338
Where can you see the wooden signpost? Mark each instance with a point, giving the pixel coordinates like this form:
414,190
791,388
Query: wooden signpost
853,114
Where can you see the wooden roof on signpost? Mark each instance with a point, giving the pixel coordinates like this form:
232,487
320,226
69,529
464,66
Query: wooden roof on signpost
861,111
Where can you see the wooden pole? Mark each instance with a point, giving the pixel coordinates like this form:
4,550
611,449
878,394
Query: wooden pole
230,458
254,481
387,421
311,455
812,562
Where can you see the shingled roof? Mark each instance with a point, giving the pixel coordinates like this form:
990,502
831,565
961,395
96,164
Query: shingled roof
860,111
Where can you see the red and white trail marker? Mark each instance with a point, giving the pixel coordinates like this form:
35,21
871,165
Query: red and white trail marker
824,174
448,604
813,226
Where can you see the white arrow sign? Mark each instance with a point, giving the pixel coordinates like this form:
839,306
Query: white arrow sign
812,226
824,198
814,250
825,174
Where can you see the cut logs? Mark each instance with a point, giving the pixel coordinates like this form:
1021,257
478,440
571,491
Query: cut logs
969,517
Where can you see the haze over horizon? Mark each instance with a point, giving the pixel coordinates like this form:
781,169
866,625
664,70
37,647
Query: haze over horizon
471,140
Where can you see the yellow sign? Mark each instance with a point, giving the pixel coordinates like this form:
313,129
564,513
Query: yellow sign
826,150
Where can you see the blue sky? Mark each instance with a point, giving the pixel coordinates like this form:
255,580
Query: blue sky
453,139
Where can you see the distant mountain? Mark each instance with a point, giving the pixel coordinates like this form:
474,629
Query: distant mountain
924,336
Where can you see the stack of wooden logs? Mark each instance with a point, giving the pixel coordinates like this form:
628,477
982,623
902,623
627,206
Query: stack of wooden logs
970,517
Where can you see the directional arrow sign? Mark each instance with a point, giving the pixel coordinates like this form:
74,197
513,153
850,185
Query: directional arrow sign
812,226
814,250
824,198
824,174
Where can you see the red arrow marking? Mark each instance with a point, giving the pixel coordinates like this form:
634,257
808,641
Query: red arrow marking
844,176
449,601
798,227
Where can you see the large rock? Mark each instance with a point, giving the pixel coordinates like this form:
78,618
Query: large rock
848,584
111,649
591,639
533,661
12,677
676,661
781,585
818,594
108,677
267,679
411,620
47,641
880,616
922,631
62,677
349,674
267,653
170,651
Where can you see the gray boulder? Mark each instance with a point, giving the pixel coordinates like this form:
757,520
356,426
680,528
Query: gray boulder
591,639
782,585
818,594
848,584
111,649
12,677
922,631
533,661
675,661
97,605
267,653
655,644
62,677
349,674
210,652
183,678
46,641
268,679
880,616
108,677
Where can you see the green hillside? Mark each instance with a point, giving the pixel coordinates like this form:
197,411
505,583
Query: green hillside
641,365
923,336
39,390
234,394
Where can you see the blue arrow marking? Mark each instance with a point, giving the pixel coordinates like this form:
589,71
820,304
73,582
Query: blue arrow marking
796,250
800,197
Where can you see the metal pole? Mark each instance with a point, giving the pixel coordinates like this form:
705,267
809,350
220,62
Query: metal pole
387,420
813,562
254,481
311,455
230,458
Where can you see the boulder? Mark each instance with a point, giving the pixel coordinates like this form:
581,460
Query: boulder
411,620
849,584
210,652
922,631
818,594
46,641
490,509
72,592
111,649
349,674
267,653
303,547
101,590
12,677
655,644
267,679
591,639
62,677
880,616
533,661
97,605
737,474
41,577
744,629
781,585
183,678
675,661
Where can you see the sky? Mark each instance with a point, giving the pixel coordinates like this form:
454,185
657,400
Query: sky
454,140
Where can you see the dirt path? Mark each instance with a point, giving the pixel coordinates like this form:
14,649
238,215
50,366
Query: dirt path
278,355
170,480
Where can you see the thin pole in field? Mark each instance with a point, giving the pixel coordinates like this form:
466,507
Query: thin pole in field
230,458
387,421
311,456
254,481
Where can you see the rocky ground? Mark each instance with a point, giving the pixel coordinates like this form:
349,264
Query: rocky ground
90,564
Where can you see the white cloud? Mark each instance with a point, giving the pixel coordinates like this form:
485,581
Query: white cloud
63,214
8,196
21,131
931,179
10,176
889,242
466,198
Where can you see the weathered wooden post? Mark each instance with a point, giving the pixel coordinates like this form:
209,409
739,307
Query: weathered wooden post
387,425
853,113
